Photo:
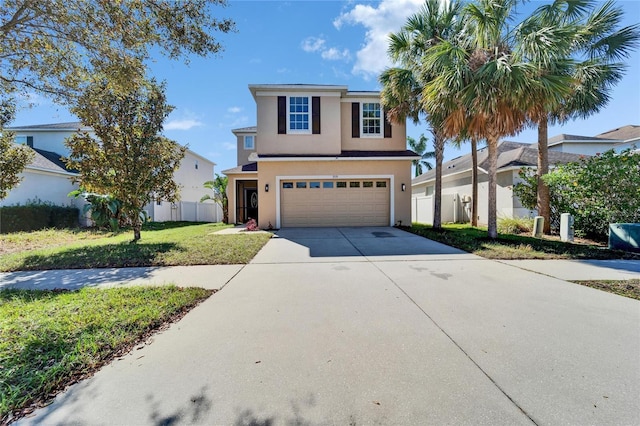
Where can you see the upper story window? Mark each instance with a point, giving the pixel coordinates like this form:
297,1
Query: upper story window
371,119
298,119
249,142
298,115
24,140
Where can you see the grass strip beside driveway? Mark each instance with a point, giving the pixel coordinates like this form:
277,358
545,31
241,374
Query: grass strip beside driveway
509,246
626,288
162,244
50,339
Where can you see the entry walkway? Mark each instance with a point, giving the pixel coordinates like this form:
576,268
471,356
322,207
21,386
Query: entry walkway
368,334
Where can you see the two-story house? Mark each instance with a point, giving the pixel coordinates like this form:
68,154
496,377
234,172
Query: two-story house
320,156
48,180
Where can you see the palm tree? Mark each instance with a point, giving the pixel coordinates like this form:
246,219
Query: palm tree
402,86
484,86
420,148
598,45
219,188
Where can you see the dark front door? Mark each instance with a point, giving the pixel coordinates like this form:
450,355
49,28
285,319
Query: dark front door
251,203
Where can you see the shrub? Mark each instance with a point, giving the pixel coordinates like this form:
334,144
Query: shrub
36,215
526,191
106,211
515,225
597,191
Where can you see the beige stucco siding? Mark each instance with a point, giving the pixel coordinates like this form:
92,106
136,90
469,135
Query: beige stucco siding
397,141
242,153
274,172
327,142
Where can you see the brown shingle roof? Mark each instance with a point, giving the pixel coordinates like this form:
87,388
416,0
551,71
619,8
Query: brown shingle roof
624,133
510,154
346,154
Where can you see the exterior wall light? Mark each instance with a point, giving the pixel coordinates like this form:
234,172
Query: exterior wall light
404,187
266,187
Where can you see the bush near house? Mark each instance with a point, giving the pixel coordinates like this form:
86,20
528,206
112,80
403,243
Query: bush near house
36,216
597,191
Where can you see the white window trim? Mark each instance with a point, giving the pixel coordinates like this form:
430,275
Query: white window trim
391,188
371,135
301,131
253,142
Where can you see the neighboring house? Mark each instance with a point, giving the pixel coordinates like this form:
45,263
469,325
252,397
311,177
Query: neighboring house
320,156
46,179
616,139
512,156
456,184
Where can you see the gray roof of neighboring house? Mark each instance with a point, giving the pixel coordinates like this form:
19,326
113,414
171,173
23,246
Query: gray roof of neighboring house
564,137
510,154
72,125
624,133
47,160
249,129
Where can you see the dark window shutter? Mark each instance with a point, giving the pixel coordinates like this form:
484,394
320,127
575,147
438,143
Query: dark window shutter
30,141
282,115
387,126
315,115
355,119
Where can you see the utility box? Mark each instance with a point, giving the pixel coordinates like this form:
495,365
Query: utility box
566,227
624,236
538,226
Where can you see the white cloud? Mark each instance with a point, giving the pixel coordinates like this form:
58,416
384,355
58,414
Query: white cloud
380,21
318,44
229,146
234,110
312,44
334,54
185,124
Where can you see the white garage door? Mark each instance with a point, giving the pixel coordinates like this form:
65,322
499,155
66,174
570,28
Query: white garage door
363,202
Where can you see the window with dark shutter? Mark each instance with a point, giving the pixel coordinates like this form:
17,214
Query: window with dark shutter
355,119
387,126
282,115
315,115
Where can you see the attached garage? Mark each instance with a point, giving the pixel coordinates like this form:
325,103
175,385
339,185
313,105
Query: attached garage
335,202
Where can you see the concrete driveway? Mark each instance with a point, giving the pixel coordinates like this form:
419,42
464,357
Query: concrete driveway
376,326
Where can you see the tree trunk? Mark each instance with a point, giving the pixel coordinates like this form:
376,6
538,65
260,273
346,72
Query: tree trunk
136,224
225,210
544,202
474,182
492,225
438,145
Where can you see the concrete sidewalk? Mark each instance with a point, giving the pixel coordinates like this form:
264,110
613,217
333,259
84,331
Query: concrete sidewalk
370,335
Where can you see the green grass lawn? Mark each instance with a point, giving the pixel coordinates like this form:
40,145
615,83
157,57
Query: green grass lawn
626,288
162,244
508,246
49,339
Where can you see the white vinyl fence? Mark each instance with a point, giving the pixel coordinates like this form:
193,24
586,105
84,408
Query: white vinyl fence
188,211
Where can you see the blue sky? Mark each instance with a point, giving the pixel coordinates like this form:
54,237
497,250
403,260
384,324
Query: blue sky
314,42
